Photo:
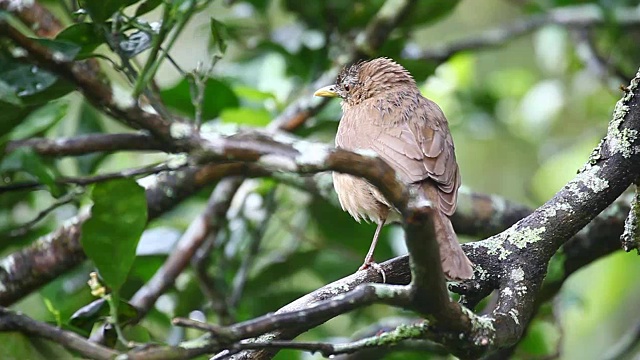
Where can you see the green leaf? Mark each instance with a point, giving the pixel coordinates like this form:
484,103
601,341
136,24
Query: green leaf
219,36
539,339
26,160
97,310
246,116
30,83
111,235
62,49
138,334
39,121
8,94
101,11
25,80
12,115
84,35
250,94
147,6
217,97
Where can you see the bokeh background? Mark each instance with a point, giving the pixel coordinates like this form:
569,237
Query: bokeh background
524,114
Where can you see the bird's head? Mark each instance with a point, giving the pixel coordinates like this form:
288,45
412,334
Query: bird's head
367,79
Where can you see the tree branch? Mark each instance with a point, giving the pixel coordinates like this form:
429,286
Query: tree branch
205,225
39,18
60,251
11,321
612,168
87,180
504,261
86,144
31,267
97,92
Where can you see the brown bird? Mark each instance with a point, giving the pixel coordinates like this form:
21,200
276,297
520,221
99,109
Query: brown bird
384,112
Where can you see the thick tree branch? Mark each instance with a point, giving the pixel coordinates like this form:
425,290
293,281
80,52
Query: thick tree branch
428,285
379,28
98,92
159,198
612,167
86,144
391,337
29,268
39,18
54,254
598,239
504,261
273,156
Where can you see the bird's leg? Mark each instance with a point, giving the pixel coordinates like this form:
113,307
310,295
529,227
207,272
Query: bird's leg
368,260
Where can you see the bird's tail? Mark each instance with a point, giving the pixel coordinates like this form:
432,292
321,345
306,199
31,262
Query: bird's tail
455,264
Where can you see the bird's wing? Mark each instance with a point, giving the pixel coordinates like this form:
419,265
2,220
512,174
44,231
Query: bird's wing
418,145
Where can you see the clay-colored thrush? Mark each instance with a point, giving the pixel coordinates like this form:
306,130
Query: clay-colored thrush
384,112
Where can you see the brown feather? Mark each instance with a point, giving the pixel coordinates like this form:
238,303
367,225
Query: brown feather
384,111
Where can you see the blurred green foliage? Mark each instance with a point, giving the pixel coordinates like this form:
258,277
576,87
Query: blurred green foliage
524,115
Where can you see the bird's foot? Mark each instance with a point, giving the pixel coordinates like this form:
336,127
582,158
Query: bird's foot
375,266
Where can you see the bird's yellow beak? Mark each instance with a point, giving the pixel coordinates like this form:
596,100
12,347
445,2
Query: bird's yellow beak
327,91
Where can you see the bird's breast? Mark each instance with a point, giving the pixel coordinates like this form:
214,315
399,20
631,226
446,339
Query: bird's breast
362,200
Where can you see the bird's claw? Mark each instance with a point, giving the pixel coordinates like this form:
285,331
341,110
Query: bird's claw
375,266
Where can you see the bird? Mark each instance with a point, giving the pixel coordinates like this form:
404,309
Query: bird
383,111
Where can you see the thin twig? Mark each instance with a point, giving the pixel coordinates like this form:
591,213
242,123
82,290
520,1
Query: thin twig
88,180
603,68
220,332
12,321
26,227
197,81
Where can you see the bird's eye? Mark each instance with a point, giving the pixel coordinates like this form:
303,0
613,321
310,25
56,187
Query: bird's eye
346,87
